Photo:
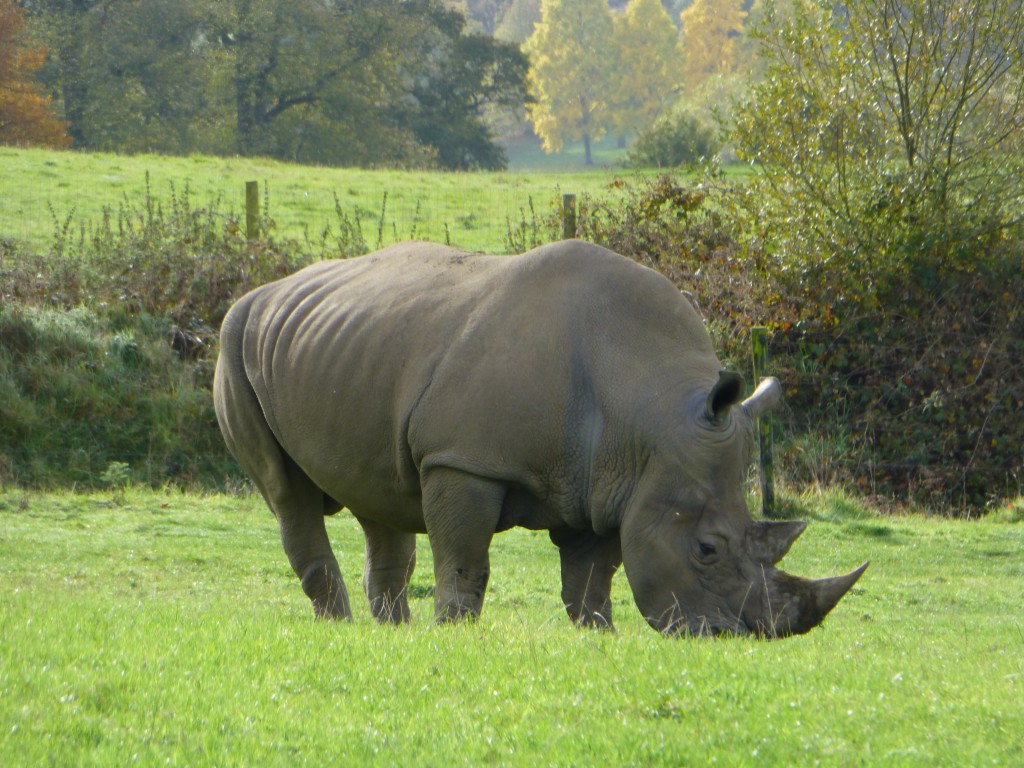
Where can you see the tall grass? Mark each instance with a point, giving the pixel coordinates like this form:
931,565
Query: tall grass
168,629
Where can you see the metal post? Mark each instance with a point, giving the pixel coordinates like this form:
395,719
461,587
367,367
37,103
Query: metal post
759,344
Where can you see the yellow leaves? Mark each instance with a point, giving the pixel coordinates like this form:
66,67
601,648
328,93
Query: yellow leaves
712,33
569,67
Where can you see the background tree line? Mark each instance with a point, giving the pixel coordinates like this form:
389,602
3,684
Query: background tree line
398,83
381,82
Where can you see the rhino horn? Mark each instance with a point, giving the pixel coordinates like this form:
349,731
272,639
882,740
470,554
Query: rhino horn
768,541
767,395
806,602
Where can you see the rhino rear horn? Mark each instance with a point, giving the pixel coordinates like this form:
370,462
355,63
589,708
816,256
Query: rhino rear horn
767,395
808,601
768,541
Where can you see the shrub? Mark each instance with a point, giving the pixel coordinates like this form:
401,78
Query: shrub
908,392
80,392
674,139
107,343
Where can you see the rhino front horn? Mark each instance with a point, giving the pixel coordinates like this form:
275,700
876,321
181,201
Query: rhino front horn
806,602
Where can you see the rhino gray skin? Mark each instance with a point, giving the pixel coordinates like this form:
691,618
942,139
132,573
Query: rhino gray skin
568,389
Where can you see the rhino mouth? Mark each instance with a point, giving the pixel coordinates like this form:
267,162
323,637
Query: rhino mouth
705,626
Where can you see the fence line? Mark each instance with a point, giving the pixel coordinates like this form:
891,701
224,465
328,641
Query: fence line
473,211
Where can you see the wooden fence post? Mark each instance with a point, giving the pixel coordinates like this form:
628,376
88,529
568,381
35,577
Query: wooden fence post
568,217
252,210
759,344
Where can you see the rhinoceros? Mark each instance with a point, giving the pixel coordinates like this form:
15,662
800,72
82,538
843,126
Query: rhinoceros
569,389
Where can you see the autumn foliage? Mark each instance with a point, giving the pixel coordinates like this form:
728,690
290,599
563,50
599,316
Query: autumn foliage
26,116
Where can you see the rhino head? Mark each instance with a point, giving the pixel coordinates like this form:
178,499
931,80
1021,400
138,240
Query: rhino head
696,561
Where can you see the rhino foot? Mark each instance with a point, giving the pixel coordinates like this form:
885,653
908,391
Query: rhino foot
588,563
390,560
325,588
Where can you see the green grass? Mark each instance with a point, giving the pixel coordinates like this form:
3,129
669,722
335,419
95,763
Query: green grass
168,629
526,154
45,189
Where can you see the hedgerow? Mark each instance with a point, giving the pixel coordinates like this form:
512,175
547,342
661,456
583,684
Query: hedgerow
904,382
108,341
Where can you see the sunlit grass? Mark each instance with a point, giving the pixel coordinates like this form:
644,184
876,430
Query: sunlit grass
44,189
168,629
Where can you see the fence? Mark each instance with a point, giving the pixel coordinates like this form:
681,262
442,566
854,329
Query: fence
473,211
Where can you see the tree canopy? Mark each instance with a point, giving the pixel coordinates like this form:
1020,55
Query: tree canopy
712,33
890,129
571,57
320,81
650,65
26,115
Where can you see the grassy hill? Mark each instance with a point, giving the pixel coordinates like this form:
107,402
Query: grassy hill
47,192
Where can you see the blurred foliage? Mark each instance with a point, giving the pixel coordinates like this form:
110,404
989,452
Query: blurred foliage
361,82
26,115
913,392
678,137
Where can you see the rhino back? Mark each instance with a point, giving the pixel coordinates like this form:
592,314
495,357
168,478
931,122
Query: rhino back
538,370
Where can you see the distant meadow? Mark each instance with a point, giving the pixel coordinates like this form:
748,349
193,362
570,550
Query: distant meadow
50,192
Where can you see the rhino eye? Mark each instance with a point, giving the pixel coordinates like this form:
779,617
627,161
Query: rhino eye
706,548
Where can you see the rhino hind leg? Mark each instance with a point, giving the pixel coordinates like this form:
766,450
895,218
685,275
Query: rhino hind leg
300,508
390,560
588,563
297,503
461,512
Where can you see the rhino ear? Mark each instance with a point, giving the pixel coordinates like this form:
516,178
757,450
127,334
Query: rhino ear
725,394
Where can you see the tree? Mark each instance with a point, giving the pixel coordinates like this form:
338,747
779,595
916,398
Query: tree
650,70
712,31
571,54
341,82
890,132
455,79
303,70
26,116
396,82
518,20
137,75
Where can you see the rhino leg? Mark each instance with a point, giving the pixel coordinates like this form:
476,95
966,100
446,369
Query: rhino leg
588,563
297,503
390,560
461,513
299,507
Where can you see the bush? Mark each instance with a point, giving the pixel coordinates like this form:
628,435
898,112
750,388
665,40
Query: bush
80,390
108,342
674,139
913,391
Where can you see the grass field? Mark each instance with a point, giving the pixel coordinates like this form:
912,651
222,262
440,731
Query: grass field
164,629
44,190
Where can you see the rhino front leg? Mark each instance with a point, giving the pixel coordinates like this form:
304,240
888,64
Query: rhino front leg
588,563
390,560
461,513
